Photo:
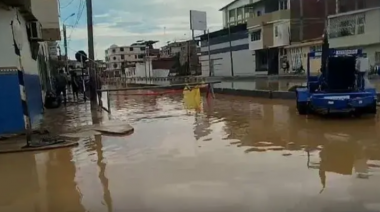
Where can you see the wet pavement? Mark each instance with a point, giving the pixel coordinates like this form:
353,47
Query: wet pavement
235,154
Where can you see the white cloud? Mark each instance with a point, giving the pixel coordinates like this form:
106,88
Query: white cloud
168,19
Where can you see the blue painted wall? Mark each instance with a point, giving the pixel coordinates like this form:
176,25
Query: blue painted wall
11,117
34,97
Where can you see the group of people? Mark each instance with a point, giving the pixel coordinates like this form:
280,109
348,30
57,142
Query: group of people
64,81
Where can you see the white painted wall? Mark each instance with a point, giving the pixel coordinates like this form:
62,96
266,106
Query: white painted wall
8,58
371,35
244,63
225,45
282,38
46,11
145,70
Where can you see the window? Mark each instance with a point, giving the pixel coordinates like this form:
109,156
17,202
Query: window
377,58
122,57
121,49
114,58
142,48
113,50
131,49
346,26
360,24
141,56
247,11
231,15
283,4
239,12
115,65
256,35
276,31
258,13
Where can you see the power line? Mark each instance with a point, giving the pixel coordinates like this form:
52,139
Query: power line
61,7
79,16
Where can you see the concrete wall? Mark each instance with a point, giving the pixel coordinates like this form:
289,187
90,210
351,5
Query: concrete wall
146,70
283,37
9,59
243,59
371,33
46,11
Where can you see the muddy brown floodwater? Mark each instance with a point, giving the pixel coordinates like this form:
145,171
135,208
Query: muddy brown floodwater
236,154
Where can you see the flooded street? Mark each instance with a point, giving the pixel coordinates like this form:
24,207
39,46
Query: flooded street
234,154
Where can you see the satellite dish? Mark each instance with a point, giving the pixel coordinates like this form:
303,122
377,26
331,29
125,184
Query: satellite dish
17,33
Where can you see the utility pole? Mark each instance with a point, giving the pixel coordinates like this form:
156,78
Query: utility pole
231,58
65,46
91,54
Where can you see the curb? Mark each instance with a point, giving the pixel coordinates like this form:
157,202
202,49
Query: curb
50,147
257,93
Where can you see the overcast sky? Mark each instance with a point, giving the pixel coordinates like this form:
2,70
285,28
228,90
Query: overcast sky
123,22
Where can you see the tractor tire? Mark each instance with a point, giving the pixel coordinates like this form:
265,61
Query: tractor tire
303,108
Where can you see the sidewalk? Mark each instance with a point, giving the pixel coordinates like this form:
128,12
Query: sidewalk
73,123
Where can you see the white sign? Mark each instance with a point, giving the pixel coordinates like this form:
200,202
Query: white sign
198,20
346,52
337,97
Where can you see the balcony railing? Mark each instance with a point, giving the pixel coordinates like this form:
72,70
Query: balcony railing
268,17
356,28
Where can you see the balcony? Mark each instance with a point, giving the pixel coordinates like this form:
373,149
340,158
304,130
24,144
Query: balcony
268,18
356,28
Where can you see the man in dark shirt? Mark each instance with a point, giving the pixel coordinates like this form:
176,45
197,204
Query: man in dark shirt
61,83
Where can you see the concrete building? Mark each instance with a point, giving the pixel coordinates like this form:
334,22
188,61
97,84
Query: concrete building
170,50
115,55
28,24
358,29
228,46
279,25
119,58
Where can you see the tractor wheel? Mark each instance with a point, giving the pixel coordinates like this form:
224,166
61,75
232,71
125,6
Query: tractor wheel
302,108
373,108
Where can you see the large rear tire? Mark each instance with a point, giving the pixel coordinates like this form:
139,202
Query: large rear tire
303,108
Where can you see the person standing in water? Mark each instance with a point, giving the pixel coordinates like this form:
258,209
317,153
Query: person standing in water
75,86
61,83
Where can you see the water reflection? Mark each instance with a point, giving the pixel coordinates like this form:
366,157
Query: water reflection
236,154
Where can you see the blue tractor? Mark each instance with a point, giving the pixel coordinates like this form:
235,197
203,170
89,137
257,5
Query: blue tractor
341,87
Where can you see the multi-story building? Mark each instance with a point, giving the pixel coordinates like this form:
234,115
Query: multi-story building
118,57
281,23
171,49
356,26
25,28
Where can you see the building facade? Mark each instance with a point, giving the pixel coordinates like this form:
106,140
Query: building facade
282,23
226,53
358,29
27,25
117,55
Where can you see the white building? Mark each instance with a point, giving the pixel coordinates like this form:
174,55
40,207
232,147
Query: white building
30,23
357,29
238,12
269,33
171,49
119,56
